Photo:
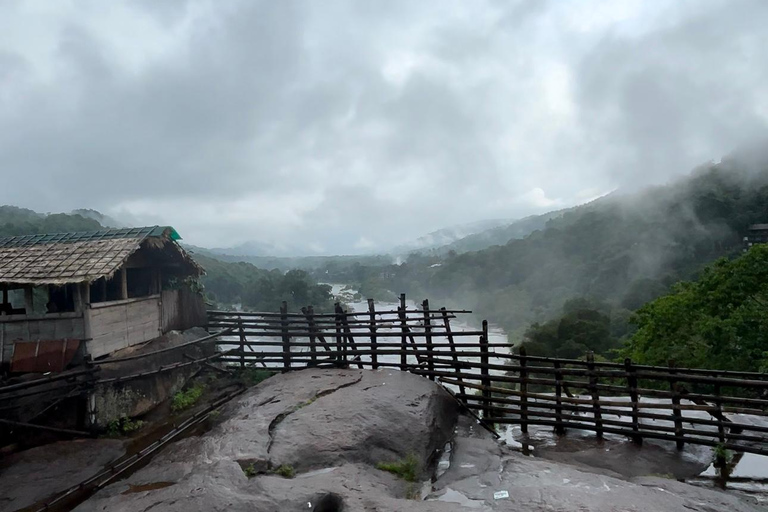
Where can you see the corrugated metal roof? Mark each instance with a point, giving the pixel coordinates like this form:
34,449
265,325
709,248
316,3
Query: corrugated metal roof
63,258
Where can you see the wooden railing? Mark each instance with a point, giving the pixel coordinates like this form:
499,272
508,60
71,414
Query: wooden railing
715,408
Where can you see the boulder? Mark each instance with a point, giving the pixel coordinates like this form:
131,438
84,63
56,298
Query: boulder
329,426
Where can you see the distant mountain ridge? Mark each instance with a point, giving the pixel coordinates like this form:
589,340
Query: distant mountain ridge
446,236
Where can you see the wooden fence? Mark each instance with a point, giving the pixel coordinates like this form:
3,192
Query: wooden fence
681,405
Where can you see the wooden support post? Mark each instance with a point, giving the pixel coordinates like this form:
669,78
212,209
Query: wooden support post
595,394
719,414
428,337
349,339
29,305
242,341
676,413
634,398
559,429
454,355
310,316
103,289
374,338
123,276
484,372
309,313
523,391
341,356
286,339
404,335
4,305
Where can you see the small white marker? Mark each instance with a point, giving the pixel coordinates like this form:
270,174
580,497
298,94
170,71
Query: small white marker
500,495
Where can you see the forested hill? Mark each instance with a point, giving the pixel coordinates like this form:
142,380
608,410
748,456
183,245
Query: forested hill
21,221
499,235
621,250
253,288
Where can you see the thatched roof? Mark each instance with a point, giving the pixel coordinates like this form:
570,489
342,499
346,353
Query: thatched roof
64,258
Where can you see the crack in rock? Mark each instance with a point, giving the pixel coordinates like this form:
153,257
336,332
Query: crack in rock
280,417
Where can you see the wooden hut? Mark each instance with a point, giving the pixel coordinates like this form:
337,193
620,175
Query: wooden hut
70,295
756,234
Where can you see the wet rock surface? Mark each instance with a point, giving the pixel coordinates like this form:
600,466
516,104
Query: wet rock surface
332,426
34,474
486,475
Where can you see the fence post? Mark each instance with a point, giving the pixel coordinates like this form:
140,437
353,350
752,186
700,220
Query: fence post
632,385
404,335
593,379
719,416
308,313
484,372
676,408
340,355
286,339
349,339
372,316
449,335
559,429
428,339
523,391
242,341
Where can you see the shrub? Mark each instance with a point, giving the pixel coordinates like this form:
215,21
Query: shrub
186,399
407,468
285,471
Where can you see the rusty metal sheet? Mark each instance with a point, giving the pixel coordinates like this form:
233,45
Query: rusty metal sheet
43,356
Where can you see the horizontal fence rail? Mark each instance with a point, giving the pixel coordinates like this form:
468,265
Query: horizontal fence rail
717,408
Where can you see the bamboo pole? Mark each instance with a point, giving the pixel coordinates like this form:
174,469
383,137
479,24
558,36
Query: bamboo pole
595,394
452,344
401,311
372,314
428,336
559,429
485,373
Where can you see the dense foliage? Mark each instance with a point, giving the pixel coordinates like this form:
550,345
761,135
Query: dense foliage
719,321
584,326
261,290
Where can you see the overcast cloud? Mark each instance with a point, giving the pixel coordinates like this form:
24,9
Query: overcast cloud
348,126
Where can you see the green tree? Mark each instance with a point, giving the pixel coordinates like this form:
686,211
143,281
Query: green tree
719,321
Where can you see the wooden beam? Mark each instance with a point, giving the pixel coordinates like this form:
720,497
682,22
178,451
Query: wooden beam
123,277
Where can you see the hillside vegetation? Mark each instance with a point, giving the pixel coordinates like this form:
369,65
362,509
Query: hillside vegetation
257,289
619,252
719,321
16,221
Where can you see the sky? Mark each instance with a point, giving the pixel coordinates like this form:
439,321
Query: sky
351,126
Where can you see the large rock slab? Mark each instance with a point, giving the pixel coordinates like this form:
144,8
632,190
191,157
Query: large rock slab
332,426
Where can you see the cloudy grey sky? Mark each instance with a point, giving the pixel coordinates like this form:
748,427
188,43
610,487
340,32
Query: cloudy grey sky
348,126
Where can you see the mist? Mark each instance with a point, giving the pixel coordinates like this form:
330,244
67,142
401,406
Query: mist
339,128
